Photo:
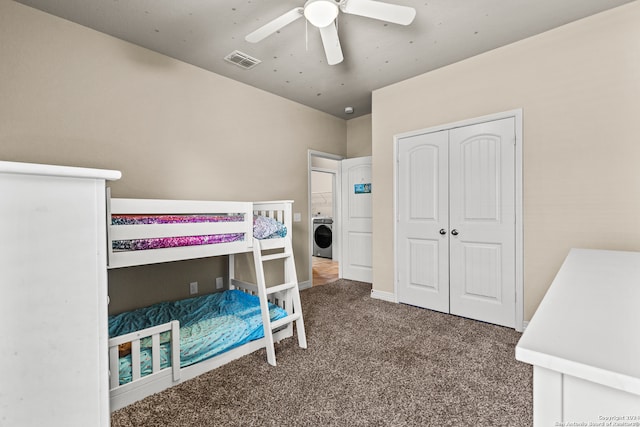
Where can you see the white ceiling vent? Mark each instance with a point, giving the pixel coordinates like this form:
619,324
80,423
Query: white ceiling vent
242,60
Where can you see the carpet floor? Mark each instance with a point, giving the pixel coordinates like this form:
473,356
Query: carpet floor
369,363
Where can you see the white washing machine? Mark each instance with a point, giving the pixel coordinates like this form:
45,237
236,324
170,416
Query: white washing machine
323,237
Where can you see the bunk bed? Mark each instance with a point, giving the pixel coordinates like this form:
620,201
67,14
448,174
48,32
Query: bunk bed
160,346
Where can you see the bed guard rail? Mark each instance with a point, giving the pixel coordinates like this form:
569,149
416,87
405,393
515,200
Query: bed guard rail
134,338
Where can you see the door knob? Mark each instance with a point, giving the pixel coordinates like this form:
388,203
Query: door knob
454,232
443,231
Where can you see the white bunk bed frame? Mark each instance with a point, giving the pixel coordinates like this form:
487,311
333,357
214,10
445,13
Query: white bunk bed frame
161,379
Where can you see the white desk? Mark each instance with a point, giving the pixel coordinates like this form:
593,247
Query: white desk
584,342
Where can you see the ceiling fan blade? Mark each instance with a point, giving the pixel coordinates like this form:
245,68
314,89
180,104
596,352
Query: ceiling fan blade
272,26
394,13
331,44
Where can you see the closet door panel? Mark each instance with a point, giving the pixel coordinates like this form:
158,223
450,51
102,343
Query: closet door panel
423,264
423,252
482,247
482,277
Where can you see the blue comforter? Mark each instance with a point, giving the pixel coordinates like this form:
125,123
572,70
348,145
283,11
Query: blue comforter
209,325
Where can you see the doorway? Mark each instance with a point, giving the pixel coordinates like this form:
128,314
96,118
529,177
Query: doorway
324,220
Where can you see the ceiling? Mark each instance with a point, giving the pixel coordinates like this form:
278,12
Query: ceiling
376,53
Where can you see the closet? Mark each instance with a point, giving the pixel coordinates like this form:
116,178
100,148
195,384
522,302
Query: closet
456,220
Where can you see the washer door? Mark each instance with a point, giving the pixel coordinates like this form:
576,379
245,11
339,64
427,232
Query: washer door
322,236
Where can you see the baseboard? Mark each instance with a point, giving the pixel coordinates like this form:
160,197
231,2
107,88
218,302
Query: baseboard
385,296
304,285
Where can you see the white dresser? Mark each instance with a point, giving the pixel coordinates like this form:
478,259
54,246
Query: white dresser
53,296
584,342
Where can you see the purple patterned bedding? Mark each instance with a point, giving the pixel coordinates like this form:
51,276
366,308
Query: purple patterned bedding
174,219
263,228
174,242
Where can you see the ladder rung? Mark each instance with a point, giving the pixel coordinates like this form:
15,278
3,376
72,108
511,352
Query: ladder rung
280,288
276,256
285,320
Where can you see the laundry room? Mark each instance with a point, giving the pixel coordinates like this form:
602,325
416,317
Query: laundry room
324,259
322,208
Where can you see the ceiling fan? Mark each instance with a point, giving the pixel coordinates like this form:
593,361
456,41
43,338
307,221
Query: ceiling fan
323,14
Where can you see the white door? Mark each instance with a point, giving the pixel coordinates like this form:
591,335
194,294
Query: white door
456,221
423,210
356,263
482,221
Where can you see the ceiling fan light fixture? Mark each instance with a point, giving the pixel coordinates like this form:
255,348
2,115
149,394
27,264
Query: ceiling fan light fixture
320,13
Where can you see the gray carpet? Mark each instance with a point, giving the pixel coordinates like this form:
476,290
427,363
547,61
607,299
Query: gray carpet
369,363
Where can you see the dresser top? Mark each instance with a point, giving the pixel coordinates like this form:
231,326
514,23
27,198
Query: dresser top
60,171
588,324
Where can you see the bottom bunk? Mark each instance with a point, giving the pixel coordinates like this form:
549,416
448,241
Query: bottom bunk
200,333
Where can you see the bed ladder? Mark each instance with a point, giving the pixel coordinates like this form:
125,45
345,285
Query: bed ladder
292,296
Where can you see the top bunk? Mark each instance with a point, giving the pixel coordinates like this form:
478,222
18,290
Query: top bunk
150,231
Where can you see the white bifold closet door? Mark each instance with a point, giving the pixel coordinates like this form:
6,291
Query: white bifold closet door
456,221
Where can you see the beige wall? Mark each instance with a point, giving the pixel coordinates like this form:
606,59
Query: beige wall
579,88
74,96
359,136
